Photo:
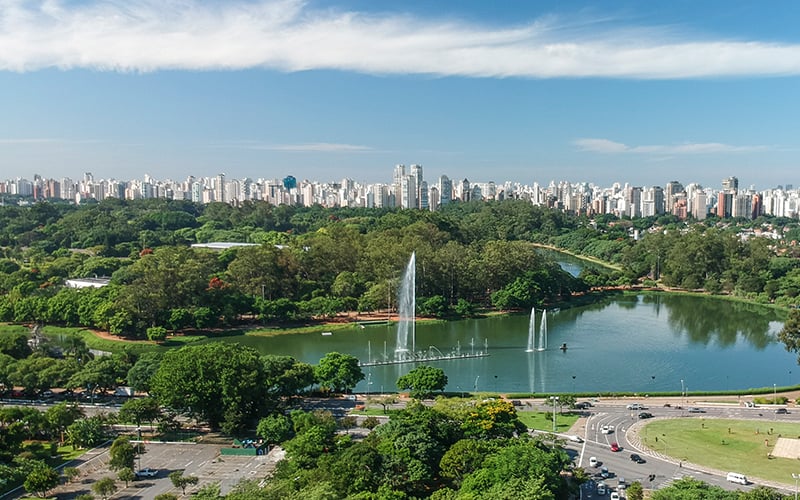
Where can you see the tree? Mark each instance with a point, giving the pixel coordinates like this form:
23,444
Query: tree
635,491
140,410
157,334
104,487
122,454
86,432
126,474
166,496
338,372
208,492
41,479
218,383
62,416
790,333
181,481
422,381
143,371
71,473
275,429
492,420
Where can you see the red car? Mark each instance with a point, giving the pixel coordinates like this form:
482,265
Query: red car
615,447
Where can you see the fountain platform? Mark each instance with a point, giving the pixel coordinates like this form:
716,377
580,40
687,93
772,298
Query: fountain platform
425,357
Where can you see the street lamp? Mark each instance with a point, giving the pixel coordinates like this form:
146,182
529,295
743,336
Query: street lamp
554,399
573,384
683,392
796,477
476,383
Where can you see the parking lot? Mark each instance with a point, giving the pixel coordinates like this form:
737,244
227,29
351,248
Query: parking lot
201,460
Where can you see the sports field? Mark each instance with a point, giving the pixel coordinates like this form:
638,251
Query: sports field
744,446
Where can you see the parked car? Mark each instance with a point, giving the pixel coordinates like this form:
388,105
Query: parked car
604,473
601,489
614,496
146,472
593,462
615,447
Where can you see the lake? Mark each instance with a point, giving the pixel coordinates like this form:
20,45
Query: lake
637,343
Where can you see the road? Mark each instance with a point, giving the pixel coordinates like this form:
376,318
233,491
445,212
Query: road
661,467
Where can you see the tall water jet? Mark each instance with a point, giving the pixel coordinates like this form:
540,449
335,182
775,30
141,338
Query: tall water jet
406,303
543,332
532,331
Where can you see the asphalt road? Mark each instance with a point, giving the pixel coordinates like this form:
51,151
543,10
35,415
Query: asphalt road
665,469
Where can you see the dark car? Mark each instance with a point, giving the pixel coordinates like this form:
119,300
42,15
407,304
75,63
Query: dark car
636,458
582,406
644,414
782,411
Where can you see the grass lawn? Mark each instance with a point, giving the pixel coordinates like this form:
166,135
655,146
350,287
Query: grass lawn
544,420
728,445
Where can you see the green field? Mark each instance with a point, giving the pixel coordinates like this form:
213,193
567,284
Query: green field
543,421
727,445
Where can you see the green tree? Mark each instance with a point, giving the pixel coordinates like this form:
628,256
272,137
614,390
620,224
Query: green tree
41,479
181,481
462,459
422,381
126,474
143,371
71,473
338,372
122,454
15,345
140,410
218,383
492,420
208,492
166,496
790,333
86,432
61,416
104,487
275,429
635,491
156,334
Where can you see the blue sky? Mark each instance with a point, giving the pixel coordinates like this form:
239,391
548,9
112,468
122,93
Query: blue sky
639,92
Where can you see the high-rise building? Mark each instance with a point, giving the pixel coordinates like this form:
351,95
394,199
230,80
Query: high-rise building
219,188
408,192
445,190
730,185
672,190
416,173
724,204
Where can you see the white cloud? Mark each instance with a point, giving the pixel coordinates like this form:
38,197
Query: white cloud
608,146
289,35
311,147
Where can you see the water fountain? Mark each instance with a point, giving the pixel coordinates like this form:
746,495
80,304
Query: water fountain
406,303
543,331
406,329
532,331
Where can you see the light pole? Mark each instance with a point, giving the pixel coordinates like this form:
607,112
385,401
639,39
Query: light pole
774,400
554,399
573,384
683,391
796,477
476,384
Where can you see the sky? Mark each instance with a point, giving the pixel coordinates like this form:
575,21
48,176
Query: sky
525,91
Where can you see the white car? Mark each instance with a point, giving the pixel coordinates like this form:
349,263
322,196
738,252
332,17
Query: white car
636,406
601,488
146,472
607,429
615,496
593,462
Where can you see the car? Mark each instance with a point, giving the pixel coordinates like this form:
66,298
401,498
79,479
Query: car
575,439
615,447
636,458
593,462
601,489
582,406
636,406
622,483
693,409
146,472
607,429
604,473
614,496
644,415
782,411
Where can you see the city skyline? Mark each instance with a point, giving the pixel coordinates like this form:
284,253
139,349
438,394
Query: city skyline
325,90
